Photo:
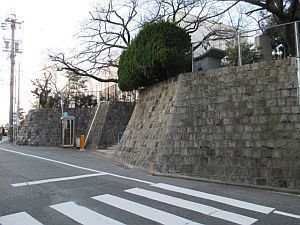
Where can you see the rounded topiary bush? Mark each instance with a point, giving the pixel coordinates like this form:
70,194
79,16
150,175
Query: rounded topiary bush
159,51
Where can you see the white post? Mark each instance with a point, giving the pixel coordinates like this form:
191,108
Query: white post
297,40
239,49
62,105
192,56
95,115
297,45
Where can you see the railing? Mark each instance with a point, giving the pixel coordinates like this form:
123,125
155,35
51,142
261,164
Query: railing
120,134
246,47
283,40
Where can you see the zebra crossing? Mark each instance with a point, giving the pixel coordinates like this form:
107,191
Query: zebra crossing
19,218
83,215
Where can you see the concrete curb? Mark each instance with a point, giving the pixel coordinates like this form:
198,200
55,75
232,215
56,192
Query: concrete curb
269,188
276,189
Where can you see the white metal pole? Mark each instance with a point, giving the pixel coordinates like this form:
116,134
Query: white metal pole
95,115
239,49
297,40
297,45
192,56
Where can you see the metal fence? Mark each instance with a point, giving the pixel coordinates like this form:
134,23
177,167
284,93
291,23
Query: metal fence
113,93
246,47
275,42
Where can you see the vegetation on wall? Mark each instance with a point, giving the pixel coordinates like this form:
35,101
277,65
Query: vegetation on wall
159,51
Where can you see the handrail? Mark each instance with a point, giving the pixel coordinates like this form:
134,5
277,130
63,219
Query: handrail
120,134
88,134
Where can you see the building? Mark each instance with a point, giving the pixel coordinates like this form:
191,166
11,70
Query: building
208,42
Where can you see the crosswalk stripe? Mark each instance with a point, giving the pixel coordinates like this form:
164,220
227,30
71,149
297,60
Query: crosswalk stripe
83,215
287,214
216,198
204,209
143,211
19,218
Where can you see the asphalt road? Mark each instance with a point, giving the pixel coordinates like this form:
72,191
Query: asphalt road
54,186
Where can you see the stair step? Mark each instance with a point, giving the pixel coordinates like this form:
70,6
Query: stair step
106,153
112,147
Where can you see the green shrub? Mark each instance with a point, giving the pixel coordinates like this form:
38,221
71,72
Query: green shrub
159,51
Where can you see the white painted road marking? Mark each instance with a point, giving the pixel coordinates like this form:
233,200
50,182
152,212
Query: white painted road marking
130,178
216,198
83,215
197,207
74,166
50,160
144,211
57,179
287,214
19,218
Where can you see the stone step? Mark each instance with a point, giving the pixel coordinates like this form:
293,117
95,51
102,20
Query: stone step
108,152
112,147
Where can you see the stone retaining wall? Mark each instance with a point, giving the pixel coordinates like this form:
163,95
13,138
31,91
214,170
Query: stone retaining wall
237,124
43,127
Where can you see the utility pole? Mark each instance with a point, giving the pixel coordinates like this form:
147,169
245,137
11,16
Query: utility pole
18,103
13,50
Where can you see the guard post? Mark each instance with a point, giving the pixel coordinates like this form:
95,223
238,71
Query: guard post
82,140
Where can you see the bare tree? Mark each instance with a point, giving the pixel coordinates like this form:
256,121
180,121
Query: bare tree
279,11
284,11
106,35
43,86
113,26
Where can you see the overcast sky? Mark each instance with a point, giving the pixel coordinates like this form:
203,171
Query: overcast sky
47,24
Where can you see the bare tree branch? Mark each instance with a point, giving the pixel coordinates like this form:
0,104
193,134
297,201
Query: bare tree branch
76,70
113,26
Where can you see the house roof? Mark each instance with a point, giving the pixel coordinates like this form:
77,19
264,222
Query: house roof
214,53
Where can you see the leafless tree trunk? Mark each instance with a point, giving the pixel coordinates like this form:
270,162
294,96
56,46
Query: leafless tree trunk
113,26
282,11
43,86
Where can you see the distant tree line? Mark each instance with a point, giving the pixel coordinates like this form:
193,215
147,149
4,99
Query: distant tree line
74,94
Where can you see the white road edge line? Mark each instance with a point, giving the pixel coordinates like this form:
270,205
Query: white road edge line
17,218
287,214
57,179
83,215
193,206
216,198
74,166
